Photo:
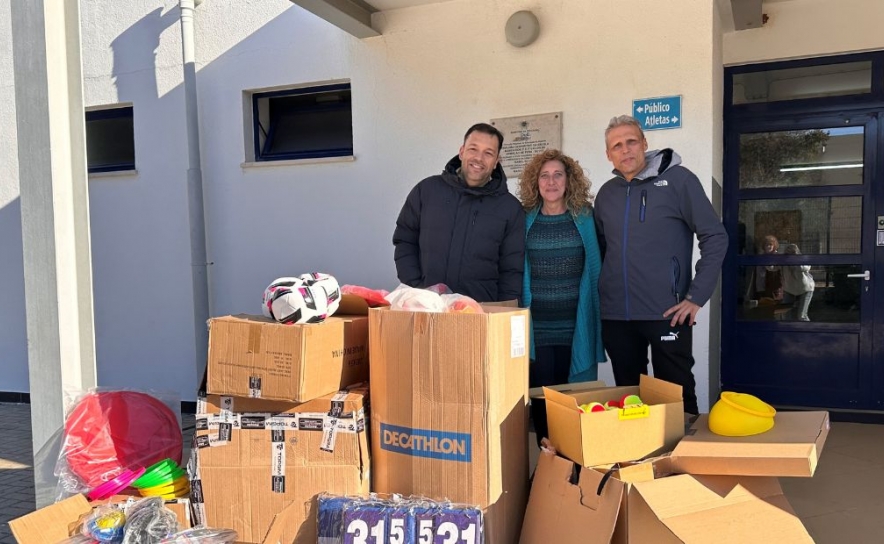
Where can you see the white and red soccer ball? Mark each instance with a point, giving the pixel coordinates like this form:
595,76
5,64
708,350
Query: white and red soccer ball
308,298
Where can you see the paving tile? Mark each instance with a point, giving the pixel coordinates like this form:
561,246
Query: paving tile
862,525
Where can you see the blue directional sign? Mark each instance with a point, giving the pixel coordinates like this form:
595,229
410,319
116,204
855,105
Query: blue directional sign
658,113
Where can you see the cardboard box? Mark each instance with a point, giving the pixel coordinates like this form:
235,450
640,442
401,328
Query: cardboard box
566,511
50,524
792,448
537,392
449,418
253,356
615,435
56,522
722,509
629,474
642,503
258,465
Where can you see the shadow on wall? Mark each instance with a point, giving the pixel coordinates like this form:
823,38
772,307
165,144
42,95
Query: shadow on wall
135,50
271,222
13,328
139,224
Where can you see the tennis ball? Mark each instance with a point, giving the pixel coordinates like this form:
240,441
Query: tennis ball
593,407
630,400
612,405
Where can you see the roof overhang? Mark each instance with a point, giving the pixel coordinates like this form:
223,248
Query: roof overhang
354,16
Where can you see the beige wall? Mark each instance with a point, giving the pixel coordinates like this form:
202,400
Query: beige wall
809,28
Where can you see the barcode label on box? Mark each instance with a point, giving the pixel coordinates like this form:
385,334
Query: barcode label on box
255,387
517,333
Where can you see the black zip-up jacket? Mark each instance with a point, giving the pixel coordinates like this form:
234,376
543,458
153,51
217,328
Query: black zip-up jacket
646,233
470,238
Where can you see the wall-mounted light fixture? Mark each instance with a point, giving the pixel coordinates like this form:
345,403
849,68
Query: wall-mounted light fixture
522,28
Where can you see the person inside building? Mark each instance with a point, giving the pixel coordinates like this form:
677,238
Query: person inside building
647,216
799,283
463,228
562,265
769,278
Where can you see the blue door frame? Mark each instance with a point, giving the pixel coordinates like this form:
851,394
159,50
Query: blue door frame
793,363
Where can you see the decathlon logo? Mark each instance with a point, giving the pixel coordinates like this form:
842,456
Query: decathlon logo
426,443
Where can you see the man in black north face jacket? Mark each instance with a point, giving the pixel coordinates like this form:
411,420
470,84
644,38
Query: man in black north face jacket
462,227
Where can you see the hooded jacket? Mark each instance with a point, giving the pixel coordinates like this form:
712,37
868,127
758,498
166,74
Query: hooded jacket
646,233
472,239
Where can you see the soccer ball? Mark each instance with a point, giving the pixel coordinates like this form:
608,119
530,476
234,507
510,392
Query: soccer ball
327,283
292,300
310,298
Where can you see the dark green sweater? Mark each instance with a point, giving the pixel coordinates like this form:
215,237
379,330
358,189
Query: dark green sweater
555,255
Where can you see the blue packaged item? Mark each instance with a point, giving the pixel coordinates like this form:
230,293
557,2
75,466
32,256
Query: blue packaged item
330,523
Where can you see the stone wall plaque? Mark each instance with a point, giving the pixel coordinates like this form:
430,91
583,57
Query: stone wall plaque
526,136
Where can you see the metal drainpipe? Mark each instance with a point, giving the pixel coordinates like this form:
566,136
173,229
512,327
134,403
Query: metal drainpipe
196,208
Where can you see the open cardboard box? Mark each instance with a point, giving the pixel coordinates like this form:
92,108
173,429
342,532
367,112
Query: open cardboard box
565,388
792,448
629,474
642,503
55,522
723,509
568,510
615,435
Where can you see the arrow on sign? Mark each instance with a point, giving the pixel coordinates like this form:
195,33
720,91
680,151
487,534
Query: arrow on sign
639,109
675,119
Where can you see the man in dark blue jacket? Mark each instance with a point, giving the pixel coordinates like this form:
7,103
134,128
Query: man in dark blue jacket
462,227
646,218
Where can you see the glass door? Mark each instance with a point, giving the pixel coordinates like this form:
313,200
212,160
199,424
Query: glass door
798,283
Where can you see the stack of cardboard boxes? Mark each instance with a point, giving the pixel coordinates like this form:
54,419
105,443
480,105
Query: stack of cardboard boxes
281,421
693,489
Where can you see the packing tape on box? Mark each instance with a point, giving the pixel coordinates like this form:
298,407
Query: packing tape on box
348,422
197,506
277,461
329,433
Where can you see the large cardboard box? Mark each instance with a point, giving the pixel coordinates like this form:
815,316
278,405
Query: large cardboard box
792,448
615,435
722,509
449,419
253,356
570,510
258,465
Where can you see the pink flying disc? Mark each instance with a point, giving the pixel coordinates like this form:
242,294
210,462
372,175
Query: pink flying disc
112,487
108,432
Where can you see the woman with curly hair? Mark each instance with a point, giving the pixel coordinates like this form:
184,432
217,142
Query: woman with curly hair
562,265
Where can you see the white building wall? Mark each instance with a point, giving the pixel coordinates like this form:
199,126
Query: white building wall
140,242
13,338
435,70
808,28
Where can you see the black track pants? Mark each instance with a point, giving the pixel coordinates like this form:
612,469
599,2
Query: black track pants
671,354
